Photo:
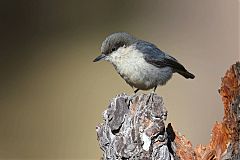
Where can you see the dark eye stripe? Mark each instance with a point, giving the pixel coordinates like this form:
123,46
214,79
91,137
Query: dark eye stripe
120,44
114,47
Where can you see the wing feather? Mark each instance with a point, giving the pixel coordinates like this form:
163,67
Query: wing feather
158,58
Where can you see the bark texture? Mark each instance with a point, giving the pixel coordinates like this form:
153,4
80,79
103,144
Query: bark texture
134,128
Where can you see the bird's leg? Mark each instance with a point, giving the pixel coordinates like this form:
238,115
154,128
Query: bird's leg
132,96
154,89
151,95
136,90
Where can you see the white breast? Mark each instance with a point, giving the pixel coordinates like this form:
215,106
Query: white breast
132,67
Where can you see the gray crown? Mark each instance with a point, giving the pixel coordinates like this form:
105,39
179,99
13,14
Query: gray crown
116,40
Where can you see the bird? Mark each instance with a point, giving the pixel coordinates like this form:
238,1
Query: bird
140,63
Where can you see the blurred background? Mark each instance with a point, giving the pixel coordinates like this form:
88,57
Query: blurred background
52,95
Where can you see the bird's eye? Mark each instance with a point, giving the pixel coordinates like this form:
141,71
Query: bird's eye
114,49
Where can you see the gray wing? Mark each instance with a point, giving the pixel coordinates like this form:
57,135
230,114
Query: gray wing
158,58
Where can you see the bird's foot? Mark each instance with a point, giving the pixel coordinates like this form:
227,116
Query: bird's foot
150,97
130,99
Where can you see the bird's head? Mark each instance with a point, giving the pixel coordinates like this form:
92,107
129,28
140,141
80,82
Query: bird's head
113,43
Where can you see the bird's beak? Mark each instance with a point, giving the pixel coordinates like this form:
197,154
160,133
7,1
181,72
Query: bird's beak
100,57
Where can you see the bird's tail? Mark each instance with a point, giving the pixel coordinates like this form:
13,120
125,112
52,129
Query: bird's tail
186,74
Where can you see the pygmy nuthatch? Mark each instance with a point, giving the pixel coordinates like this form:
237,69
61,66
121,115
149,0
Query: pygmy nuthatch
141,64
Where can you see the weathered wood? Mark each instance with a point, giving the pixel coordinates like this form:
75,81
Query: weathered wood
134,128
224,143
135,131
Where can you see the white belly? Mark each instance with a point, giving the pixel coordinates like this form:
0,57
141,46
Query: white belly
132,67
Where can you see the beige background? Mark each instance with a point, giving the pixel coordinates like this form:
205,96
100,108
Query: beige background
52,95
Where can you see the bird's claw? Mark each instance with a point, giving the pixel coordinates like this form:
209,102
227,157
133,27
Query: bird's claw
130,99
150,97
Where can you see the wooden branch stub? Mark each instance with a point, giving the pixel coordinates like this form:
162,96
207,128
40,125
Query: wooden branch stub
135,131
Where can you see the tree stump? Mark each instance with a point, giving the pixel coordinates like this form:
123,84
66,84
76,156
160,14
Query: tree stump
134,128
